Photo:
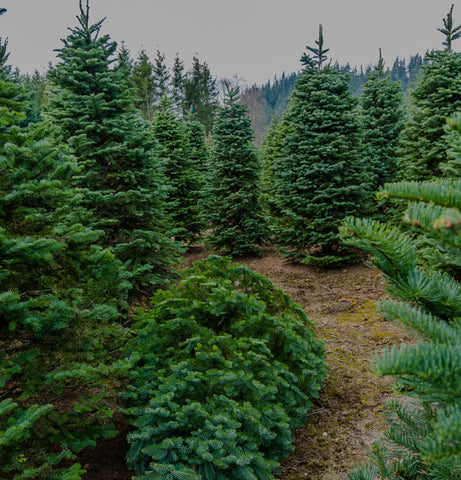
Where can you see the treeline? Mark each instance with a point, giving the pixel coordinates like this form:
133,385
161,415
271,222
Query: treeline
271,99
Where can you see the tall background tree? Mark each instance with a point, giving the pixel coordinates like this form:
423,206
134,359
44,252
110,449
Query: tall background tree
232,211
125,187
319,179
435,97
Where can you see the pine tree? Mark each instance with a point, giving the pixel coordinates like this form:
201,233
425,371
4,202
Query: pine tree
381,110
435,97
177,86
161,78
319,178
93,109
60,296
231,199
181,173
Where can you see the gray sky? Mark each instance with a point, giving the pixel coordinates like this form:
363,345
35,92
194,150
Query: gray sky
253,39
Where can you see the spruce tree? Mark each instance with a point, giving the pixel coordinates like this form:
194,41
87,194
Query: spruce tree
60,296
94,111
319,177
232,210
435,97
382,116
181,173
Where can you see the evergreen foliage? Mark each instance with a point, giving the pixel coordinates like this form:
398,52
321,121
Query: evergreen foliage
182,174
232,211
226,366
382,115
435,97
319,177
142,81
423,439
59,300
92,107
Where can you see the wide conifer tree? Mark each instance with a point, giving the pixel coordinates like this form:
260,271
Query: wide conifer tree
382,115
231,198
435,97
319,177
94,111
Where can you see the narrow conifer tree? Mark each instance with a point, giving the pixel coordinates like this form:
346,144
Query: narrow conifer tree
435,97
381,110
231,203
94,111
319,178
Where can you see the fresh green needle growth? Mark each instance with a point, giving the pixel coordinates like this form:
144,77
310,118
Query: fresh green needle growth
423,439
318,176
231,208
320,53
226,365
435,97
126,190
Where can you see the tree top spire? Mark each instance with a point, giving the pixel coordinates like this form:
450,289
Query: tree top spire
451,33
319,53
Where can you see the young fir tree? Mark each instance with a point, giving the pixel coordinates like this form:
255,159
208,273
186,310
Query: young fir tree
94,111
382,114
423,441
59,299
435,97
201,94
199,151
181,173
142,81
232,211
177,86
319,177
161,78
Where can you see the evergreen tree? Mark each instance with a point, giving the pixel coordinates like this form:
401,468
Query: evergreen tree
59,300
177,86
381,110
181,173
319,177
199,152
142,81
94,112
201,94
423,440
435,97
231,199
161,78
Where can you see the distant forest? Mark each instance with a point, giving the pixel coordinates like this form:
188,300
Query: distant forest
271,99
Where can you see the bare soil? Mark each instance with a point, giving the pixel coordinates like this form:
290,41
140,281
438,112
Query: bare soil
346,418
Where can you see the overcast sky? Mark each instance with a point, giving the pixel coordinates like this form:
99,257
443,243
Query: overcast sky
253,39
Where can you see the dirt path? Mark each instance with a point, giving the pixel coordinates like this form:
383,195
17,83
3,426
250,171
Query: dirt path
347,417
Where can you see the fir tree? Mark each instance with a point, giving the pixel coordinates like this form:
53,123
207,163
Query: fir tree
59,300
142,81
435,97
231,200
181,173
200,94
161,78
319,177
423,440
177,86
94,112
381,110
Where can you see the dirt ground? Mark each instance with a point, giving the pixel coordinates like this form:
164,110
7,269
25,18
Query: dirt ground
346,418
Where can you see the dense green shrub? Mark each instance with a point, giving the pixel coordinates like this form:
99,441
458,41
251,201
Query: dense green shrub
226,366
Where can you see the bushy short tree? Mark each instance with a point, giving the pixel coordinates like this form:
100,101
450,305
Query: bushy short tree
226,365
232,212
